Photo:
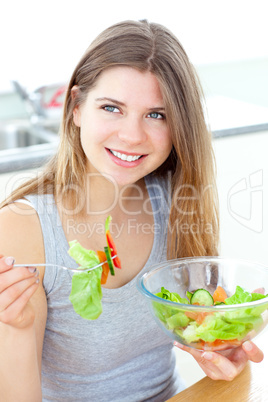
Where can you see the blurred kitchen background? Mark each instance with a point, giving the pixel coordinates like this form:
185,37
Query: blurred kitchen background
42,41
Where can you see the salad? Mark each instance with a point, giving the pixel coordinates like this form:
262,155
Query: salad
211,329
86,293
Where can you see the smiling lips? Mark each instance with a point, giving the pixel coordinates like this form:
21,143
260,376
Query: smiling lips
125,160
124,157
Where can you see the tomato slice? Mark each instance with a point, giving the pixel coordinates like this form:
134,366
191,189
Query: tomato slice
116,260
220,344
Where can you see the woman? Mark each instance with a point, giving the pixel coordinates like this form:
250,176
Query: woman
134,145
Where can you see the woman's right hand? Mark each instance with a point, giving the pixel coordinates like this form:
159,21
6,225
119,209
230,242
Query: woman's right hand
17,285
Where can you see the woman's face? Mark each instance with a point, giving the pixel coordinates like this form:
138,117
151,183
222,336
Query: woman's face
124,132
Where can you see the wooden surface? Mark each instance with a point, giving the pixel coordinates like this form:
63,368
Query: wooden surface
250,386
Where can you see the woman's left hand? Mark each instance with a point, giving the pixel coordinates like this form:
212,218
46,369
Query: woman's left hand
225,365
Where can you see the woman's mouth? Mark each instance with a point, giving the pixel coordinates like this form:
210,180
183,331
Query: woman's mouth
126,160
124,157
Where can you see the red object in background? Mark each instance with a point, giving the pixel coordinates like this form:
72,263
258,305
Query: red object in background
54,102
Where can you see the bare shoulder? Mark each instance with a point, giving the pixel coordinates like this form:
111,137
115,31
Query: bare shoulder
21,237
21,234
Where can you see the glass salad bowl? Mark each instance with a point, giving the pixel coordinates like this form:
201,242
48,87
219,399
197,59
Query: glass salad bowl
208,303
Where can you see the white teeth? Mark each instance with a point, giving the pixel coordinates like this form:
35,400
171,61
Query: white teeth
123,157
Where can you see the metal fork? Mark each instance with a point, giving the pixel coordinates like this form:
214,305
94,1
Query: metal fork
61,266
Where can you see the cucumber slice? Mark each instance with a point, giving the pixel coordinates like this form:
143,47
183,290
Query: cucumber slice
109,260
202,297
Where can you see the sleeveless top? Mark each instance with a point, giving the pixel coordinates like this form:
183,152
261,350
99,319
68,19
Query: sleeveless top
123,356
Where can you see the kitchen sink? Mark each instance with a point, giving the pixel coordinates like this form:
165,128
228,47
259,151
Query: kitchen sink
20,137
24,145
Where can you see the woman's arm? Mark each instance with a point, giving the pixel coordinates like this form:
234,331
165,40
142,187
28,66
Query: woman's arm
23,308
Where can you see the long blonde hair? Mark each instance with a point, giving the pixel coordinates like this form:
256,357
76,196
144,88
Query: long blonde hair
193,221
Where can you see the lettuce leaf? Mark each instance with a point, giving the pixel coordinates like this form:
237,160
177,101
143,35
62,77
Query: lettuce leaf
177,320
172,296
217,328
257,296
193,327
242,296
212,330
85,258
86,293
164,312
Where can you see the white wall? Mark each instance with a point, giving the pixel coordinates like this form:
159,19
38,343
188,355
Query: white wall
41,41
243,192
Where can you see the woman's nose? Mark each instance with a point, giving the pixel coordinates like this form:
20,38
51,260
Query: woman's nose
132,131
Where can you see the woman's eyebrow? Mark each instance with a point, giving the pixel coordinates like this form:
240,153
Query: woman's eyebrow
110,100
160,108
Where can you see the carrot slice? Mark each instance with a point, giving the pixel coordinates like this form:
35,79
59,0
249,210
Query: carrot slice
191,314
219,295
105,267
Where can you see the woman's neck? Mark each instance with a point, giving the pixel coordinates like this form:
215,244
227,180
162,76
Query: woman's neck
101,197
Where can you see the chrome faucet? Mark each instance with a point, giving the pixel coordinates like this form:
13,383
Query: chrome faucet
32,102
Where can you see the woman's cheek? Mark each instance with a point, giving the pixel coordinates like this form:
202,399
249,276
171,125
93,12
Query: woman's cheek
163,139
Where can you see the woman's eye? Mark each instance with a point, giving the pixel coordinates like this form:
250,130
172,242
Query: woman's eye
156,115
111,109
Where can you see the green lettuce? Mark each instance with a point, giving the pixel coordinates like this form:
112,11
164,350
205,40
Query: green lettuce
193,327
86,293
249,315
167,314
85,258
177,320
214,328
172,296
240,296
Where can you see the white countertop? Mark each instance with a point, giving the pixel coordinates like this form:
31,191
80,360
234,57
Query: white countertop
226,113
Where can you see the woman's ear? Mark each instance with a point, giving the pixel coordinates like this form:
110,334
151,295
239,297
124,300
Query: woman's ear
76,111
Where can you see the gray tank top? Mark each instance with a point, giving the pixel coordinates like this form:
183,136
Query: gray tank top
123,356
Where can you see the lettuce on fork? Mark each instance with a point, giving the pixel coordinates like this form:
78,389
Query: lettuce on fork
86,291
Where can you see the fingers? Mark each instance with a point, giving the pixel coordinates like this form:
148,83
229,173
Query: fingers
215,365
253,353
17,285
17,308
6,263
15,275
13,292
225,368
228,365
